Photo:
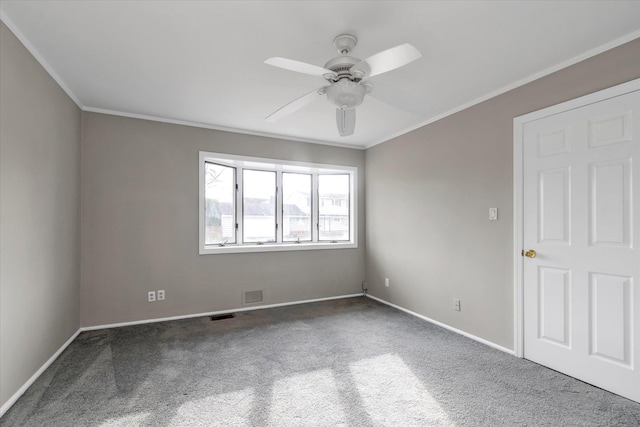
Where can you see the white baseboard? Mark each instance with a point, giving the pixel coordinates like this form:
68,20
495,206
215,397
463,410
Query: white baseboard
435,322
212,313
9,403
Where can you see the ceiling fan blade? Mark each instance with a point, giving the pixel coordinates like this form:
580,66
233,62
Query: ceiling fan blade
398,99
346,120
297,66
387,60
294,105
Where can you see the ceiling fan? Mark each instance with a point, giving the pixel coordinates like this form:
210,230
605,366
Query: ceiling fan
346,76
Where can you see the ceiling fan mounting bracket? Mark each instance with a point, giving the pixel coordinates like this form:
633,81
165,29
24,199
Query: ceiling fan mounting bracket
345,43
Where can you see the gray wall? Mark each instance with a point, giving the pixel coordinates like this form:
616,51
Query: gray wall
429,192
140,225
39,216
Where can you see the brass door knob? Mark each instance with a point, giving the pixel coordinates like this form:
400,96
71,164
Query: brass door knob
530,253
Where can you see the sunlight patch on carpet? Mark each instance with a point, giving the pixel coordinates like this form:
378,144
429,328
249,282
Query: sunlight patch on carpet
308,399
232,408
126,421
393,395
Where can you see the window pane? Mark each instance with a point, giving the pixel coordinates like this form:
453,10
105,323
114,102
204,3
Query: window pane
220,206
296,207
333,192
259,206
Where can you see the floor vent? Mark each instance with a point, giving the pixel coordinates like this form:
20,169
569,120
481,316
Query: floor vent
252,297
222,316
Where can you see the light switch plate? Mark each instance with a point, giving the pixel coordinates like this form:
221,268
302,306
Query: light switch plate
493,214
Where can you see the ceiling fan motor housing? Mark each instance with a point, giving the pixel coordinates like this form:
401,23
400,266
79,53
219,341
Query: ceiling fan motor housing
342,66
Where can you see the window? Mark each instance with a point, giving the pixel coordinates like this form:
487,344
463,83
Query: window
250,204
219,208
296,207
334,219
259,206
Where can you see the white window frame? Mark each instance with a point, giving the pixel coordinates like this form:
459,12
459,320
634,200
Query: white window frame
279,166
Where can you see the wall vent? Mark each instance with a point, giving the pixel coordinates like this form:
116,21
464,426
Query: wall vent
252,297
222,316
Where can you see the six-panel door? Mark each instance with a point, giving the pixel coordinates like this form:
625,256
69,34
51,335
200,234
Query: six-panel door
581,191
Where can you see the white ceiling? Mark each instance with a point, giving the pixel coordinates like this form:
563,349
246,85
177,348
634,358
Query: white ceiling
201,62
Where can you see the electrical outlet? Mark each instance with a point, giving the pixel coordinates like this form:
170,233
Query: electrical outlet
151,296
386,282
161,295
456,304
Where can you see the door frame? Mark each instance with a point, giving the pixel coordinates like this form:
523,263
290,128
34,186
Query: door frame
518,190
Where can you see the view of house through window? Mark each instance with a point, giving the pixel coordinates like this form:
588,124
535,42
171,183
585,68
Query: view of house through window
270,203
259,206
296,207
333,191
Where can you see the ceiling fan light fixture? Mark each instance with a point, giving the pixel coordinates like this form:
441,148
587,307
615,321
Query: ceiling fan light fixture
346,94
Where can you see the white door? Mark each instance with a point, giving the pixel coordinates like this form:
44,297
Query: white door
581,181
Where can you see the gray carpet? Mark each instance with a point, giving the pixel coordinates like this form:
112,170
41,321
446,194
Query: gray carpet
346,362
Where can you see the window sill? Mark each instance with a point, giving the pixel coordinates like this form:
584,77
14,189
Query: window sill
274,247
